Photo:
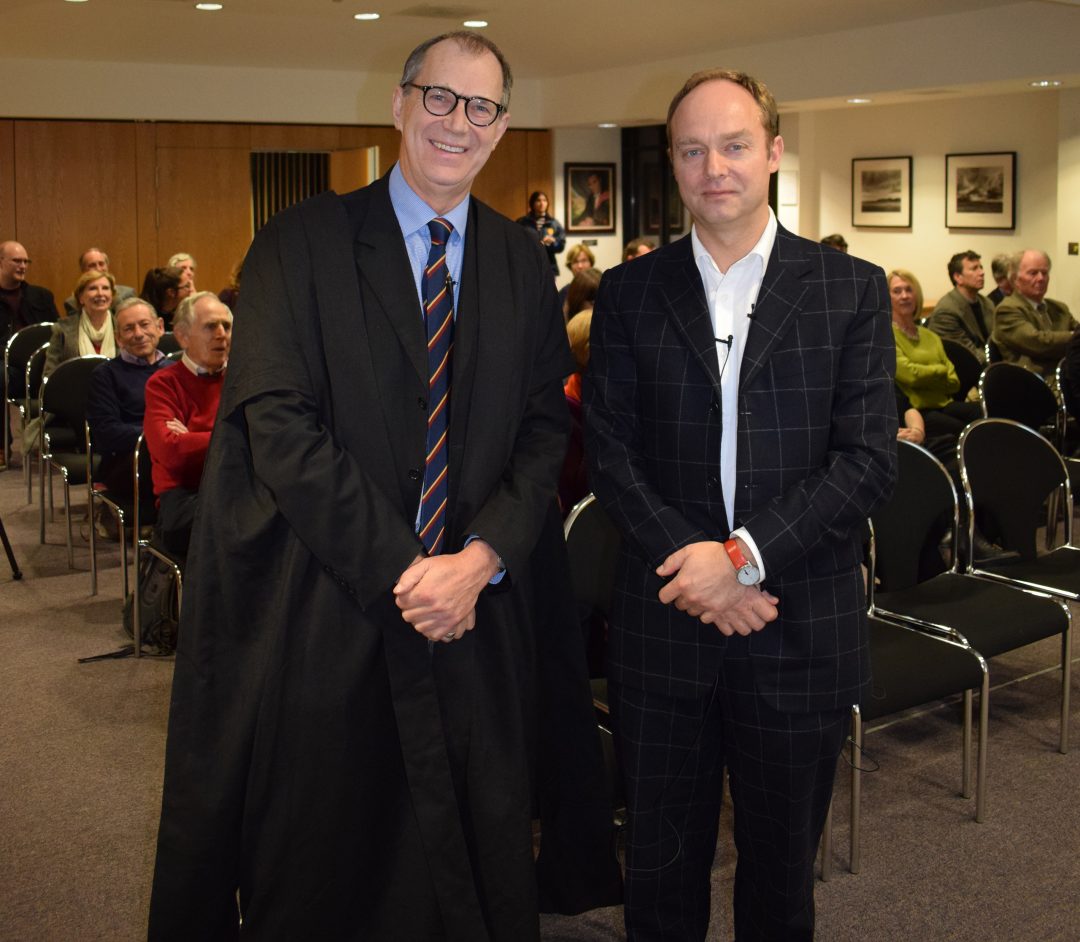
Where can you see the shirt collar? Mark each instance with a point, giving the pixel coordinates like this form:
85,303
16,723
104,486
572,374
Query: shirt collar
762,250
140,361
413,214
199,370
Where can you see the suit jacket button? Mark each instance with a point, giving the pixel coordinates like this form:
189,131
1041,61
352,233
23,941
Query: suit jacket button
713,480
415,474
421,402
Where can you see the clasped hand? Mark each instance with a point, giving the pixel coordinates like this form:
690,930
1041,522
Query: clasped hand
437,594
703,585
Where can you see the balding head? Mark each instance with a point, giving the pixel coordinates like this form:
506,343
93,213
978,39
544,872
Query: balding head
1031,274
14,264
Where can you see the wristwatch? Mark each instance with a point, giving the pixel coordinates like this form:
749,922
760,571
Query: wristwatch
745,571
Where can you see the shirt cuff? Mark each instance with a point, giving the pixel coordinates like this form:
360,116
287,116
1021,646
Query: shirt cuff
741,534
498,577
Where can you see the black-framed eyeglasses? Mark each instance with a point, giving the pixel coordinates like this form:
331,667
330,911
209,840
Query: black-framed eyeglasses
441,101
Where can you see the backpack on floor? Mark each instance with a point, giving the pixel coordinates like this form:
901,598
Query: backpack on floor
157,605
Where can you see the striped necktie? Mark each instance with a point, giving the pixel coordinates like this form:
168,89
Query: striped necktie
439,318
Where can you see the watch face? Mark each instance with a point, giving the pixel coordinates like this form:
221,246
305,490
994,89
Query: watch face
748,574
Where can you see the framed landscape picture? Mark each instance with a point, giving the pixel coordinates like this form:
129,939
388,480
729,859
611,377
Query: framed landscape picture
980,190
590,197
881,192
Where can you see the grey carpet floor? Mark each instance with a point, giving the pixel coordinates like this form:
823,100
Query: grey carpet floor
81,749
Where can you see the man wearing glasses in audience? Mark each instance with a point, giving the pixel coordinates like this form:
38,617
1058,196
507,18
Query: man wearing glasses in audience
21,303
376,543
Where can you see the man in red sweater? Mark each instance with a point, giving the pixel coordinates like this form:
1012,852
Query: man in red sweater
181,405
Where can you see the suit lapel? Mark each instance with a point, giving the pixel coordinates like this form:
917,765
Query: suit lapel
684,297
384,266
777,304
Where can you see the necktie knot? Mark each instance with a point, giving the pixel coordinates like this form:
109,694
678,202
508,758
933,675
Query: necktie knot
440,230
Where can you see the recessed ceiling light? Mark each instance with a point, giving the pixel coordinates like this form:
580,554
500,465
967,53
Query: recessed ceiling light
1045,83
365,16
858,101
607,124
475,24
76,1
209,6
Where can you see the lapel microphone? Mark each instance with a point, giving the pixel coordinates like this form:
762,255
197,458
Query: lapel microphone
726,341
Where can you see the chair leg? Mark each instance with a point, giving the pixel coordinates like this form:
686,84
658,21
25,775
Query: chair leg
41,498
136,621
854,857
67,516
93,537
826,847
124,557
1066,682
7,427
984,729
965,752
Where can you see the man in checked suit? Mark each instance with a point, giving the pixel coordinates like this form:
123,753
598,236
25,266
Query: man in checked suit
740,421
357,694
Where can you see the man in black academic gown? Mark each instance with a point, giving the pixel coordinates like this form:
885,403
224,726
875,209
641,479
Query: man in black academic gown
353,708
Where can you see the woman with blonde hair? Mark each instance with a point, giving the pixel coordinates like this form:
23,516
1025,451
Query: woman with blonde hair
91,329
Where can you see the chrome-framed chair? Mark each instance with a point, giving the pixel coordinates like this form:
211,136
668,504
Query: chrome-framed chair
62,441
1012,391
967,366
140,469
30,410
17,352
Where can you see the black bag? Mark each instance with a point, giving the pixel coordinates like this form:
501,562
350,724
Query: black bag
157,605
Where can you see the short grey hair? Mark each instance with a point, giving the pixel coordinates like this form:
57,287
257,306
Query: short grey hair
470,42
184,318
1016,258
179,258
131,302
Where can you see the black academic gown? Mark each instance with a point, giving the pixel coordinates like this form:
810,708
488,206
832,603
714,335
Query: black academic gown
347,781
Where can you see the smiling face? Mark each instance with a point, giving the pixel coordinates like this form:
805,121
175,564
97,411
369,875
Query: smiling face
722,159
138,330
441,156
14,264
96,298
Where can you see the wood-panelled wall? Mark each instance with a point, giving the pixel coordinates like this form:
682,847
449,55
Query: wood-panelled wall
144,190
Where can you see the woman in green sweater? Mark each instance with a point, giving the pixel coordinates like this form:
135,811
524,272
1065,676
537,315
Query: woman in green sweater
923,371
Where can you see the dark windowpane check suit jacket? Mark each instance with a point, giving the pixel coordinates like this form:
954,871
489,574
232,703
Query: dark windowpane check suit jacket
816,452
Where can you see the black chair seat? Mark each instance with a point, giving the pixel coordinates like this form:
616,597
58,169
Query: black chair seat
992,618
1056,572
909,668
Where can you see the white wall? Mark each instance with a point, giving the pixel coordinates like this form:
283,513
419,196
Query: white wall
1065,276
579,145
826,142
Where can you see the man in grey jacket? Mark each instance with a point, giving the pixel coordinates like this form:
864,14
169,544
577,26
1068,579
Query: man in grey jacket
963,314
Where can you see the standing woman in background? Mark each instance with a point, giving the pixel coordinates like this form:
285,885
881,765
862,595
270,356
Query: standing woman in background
548,229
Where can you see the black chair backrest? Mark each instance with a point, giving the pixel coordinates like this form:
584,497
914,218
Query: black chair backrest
592,543
20,347
966,364
64,392
1010,470
168,343
1011,391
922,500
35,370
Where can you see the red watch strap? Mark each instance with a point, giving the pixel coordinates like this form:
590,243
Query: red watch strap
735,554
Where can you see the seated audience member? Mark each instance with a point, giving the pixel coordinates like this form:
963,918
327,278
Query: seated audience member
230,294
573,481
963,314
94,259
91,330
21,303
835,240
636,248
999,268
181,404
187,266
579,258
548,229
923,372
165,288
1030,328
116,399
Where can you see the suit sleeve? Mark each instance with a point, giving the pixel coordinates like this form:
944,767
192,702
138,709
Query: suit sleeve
618,469
859,467
1014,329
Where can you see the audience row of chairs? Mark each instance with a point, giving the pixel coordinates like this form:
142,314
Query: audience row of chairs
931,638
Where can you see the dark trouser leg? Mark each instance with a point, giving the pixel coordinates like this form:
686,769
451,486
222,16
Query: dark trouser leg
176,513
781,768
673,776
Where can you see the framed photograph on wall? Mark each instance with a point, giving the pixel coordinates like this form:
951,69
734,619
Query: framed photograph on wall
590,197
881,192
980,190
